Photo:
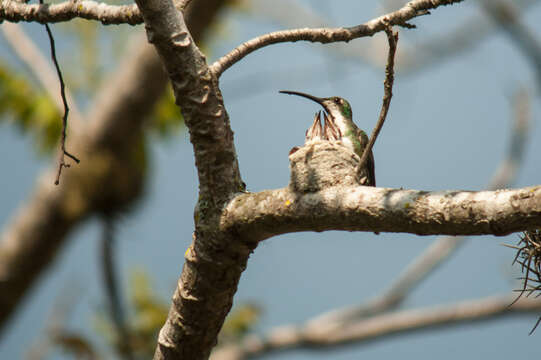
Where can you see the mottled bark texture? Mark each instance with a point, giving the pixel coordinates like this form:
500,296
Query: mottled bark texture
110,176
322,196
91,10
215,259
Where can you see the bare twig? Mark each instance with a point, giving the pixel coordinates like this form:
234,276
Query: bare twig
387,94
328,35
466,35
63,151
36,62
378,327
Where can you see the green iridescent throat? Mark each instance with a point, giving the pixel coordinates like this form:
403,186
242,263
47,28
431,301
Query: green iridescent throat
346,111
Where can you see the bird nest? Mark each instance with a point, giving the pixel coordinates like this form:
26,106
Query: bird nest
322,164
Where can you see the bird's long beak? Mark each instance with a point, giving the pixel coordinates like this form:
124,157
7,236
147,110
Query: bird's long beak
308,96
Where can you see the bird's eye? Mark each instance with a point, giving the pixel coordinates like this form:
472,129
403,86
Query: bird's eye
337,100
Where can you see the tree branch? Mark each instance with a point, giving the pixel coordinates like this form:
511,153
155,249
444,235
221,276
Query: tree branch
387,94
379,327
216,259
434,51
359,208
16,10
328,35
66,11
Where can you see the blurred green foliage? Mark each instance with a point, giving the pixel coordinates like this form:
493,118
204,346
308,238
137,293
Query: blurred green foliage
34,113
147,314
29,109
167,119
240,322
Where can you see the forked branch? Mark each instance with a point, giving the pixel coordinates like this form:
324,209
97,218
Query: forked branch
400,17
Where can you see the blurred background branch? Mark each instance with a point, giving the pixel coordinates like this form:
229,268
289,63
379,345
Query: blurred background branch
112,147
378,327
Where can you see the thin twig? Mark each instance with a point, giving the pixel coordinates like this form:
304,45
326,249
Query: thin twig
435,51
63,151
329,35
387,94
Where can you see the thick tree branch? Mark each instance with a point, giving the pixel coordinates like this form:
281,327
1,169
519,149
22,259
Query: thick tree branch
328,35
216,259
381,326
359,208
13,10
87,9
197,92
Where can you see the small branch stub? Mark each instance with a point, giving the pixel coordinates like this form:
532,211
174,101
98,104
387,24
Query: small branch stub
323,164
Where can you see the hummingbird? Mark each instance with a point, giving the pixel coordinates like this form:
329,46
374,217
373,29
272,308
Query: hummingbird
339,125
315,132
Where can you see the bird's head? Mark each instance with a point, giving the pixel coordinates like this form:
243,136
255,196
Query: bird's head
336,107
